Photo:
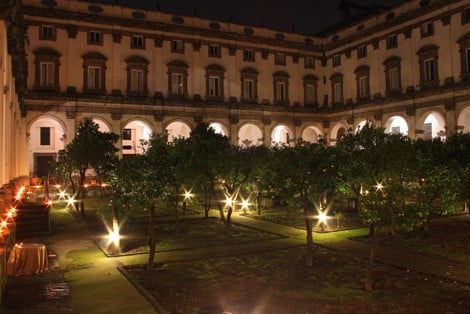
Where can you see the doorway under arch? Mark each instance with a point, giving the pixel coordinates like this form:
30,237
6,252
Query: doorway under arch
250,135
135,136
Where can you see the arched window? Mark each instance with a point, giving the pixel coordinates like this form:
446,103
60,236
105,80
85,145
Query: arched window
94,73
281,88
249,84
215,82
47,69
178,79
137,76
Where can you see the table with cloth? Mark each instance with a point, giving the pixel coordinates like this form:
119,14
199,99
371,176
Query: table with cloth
27,259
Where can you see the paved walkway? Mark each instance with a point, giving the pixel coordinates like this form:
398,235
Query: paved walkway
97,286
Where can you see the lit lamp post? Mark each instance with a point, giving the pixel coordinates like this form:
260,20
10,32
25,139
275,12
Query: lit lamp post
186,198
245,204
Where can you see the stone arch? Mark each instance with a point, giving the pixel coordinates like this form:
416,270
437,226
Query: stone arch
282,134
338,131
433,124
311,134
249,134
178,129
46,135
219,128
135,135
463,120
396,125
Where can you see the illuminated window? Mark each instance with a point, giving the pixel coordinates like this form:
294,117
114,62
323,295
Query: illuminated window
137,42
248,55
337,88
95,38
177,79
249,81
137,76
280,58
47,32
215,82
46,69
177,46
309,63
214,51
94,73
392,75
336,60
177,84
362,51
429,75
392,41
395,130
281,88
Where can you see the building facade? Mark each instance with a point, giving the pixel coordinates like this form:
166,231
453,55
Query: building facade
137,72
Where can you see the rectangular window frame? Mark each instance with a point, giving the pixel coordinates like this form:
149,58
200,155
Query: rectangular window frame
336,60
47,32
95,37
214,50
177,46
429,70
280,58
47,74
127,134
281,92
338,92
94,77
137,80
392,41
248,89
363,85
393,79
177,84
309,63
214,86
427,29
45,136
248,55
309,93
362,51
137,42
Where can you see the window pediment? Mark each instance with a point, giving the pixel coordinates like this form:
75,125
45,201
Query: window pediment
249,70
137,59
46,52
215,67
429,49
281,74
94,56
177,63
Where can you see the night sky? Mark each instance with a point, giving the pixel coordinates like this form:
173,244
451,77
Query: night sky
307,16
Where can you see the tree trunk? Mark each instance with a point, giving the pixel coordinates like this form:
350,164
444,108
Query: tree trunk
258,202
116,244
373,239
177,217
228,222
151,237
82,193
308,228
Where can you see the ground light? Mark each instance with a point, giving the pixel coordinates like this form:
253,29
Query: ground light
113,238
245,204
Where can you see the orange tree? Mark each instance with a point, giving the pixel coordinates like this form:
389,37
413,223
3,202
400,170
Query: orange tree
379,169
139,182
307,176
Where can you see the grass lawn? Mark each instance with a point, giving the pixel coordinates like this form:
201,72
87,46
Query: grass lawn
277,282
446,239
